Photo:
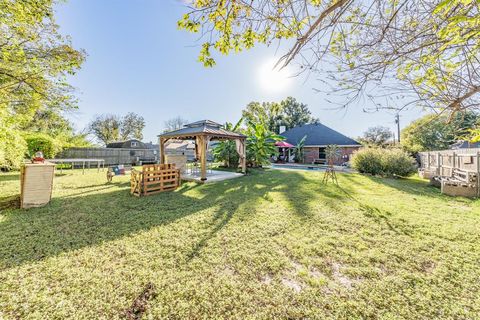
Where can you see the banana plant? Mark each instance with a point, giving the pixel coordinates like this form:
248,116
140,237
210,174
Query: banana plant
226,151
299,151
260,143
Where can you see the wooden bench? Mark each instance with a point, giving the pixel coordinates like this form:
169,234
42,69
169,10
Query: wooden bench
119,170
320,161
460,183
154,178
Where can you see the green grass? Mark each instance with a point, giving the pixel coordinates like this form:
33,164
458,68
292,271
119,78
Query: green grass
273,244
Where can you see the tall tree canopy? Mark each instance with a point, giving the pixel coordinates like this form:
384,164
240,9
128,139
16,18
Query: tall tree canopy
406,52
109,128
289,113
376,136
34,62
435,133
132,126
174,124
269,113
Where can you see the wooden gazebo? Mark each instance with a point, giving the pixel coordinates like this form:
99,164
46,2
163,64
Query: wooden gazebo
202,132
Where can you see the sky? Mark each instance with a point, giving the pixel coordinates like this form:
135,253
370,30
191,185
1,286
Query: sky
138,61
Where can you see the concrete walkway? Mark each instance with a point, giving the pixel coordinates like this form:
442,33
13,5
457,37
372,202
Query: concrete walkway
212,176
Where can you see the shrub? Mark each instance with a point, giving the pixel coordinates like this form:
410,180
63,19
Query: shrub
384,162
397,162
368,160
42,142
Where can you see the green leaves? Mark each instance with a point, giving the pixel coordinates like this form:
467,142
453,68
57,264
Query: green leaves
34,63
260,143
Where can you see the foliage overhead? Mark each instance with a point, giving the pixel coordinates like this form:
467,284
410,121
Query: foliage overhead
425,51
34,63
433,132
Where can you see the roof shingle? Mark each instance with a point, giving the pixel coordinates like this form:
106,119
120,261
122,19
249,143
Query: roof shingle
318,135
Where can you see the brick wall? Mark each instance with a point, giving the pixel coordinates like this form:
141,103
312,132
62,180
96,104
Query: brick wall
311,153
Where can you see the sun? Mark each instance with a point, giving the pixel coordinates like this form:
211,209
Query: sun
273,79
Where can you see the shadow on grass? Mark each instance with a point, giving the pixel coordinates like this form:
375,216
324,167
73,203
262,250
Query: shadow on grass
4,177
379,216
98,214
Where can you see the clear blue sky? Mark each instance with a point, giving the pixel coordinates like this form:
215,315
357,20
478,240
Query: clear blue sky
139,61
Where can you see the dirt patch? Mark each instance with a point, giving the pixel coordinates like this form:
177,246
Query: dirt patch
266,279
139,305
292,284
427,266
340,277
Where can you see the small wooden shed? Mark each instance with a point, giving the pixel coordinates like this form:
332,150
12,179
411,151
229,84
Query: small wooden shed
36,184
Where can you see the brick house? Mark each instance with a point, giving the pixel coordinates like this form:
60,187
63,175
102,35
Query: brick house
318,138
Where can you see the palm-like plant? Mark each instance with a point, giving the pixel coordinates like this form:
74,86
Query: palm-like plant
260,143
226,151
299,151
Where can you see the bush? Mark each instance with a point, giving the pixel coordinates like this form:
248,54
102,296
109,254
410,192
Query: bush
384,162
12,149
42,142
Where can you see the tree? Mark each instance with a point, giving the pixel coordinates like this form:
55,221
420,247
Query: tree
376,136
174,124
296,113
414,52
132,126
433,132
269,113
106,128
109,128
289,113
34,63
260,143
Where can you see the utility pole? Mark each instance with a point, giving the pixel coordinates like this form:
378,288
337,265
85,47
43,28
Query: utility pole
397,121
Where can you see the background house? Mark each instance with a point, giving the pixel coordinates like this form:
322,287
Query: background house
318,138
128,144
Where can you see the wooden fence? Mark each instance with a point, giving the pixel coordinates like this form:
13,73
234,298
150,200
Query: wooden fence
444,163
112,156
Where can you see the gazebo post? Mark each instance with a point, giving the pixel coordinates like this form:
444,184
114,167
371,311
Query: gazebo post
244,156
162,150
203,157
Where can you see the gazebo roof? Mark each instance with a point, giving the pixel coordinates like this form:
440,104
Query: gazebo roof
201,128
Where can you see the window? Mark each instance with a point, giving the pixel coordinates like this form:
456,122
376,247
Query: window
321,153
133,144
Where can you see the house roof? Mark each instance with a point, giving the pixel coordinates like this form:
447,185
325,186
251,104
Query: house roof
125,144
318,135
203,127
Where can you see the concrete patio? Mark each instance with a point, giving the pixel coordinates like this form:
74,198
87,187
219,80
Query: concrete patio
212,176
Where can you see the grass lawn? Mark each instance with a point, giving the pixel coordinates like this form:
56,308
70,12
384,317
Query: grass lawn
274,244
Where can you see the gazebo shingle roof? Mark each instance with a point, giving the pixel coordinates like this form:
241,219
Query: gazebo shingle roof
204,127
